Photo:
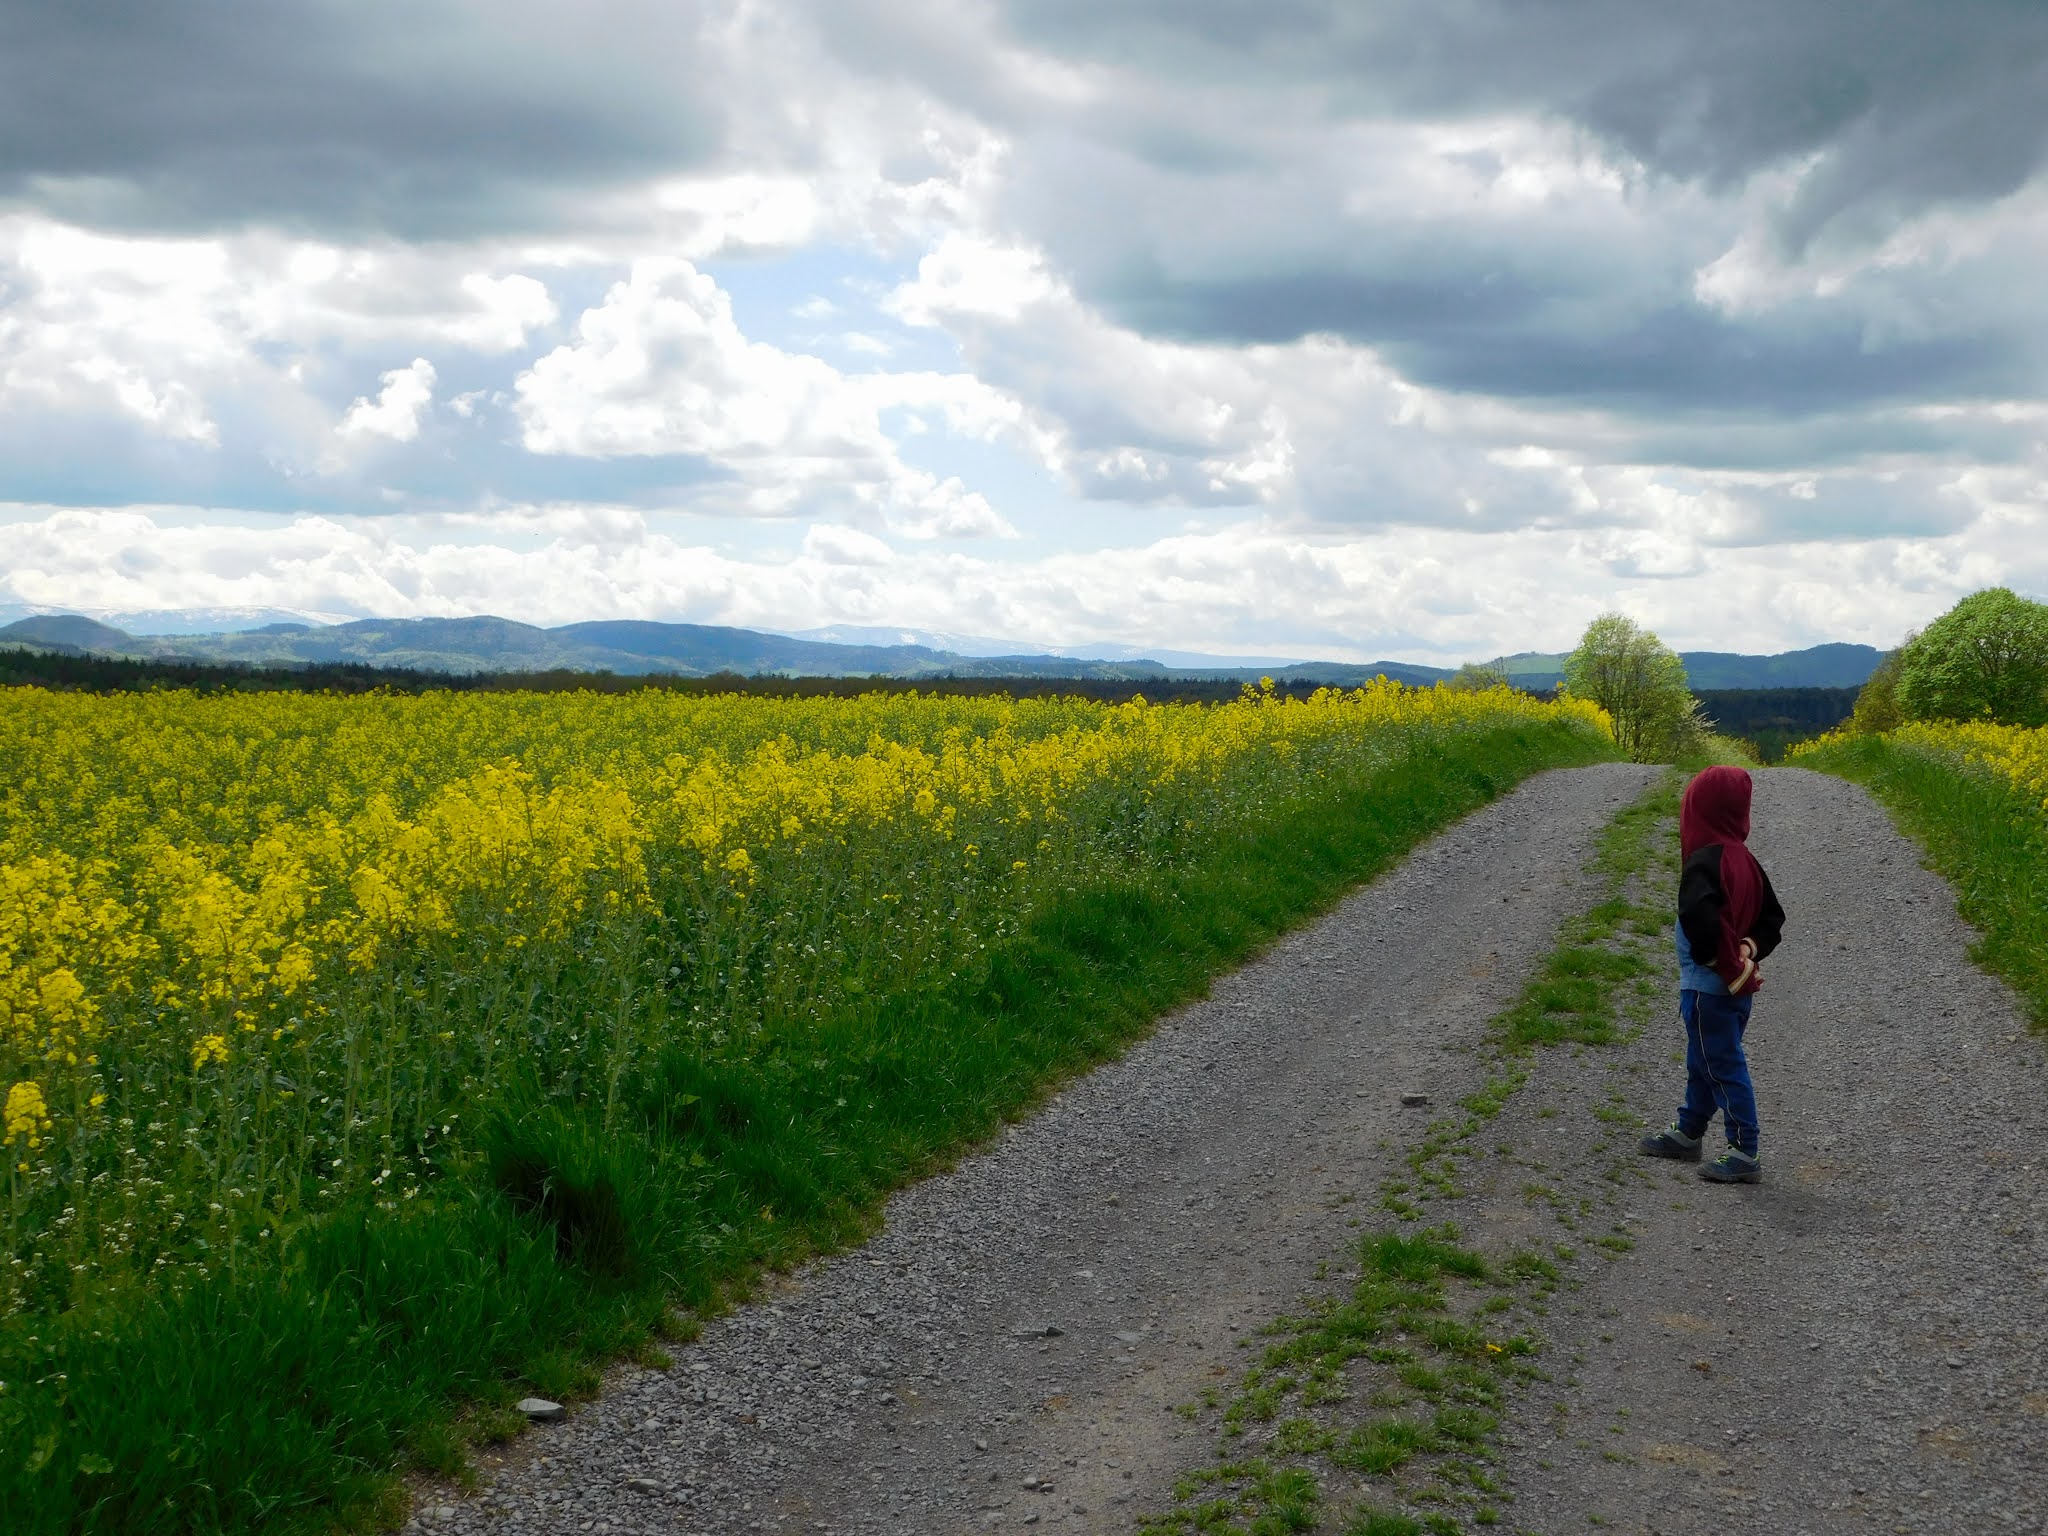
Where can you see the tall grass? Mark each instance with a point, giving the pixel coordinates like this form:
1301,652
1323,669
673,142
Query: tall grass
1984,829
628,1111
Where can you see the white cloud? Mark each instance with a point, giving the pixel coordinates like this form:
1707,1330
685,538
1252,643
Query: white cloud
509,308
838,545
1402,593
971,275
661,367
395,413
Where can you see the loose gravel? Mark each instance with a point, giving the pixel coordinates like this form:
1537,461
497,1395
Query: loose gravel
1006,1351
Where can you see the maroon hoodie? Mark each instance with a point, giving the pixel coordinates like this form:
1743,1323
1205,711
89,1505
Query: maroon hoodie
1724,896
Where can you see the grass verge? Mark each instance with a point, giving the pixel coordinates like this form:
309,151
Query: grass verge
1984,836
292,1397
1376,1410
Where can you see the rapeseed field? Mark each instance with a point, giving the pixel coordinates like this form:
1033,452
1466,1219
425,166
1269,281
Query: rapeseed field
547,976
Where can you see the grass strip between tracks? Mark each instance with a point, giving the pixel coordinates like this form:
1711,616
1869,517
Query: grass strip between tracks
296,1399
1985,836
1376,1409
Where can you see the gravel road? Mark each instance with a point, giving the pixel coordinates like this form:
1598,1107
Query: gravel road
1854,1345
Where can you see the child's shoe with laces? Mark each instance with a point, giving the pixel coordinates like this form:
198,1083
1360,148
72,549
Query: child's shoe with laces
1671,1142
1733,1167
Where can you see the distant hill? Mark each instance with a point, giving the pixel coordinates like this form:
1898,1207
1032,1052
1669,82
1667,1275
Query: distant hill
67,631
624,646
1819,666
634,647
1833,665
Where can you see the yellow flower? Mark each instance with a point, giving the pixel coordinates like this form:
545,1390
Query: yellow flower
27,1115
208,1048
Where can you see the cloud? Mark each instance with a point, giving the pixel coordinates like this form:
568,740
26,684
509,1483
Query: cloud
322,117
1400,593
836,545
395,413
1886,104
661,367
1180,295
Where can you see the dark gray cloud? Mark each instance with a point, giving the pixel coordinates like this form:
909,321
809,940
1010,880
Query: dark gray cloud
1506,340
418,120
1914,102
1213,200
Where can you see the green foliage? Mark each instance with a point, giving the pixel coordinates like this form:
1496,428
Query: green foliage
1877,705
1985,659
1478,676
1774,719
23,666
1640,681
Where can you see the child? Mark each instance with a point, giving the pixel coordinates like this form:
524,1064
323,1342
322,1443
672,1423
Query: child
1729,920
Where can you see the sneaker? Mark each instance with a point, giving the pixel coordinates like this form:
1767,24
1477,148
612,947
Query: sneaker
1671,1142
1733,1167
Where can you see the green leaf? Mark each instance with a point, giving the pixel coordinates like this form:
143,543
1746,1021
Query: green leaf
45,1448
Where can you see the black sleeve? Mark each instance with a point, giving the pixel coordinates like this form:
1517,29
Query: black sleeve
1769,926
1701,902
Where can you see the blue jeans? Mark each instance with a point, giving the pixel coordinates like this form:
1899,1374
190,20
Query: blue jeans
1716,1071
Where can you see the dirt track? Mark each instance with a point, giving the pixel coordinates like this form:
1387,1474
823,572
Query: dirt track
1854,1345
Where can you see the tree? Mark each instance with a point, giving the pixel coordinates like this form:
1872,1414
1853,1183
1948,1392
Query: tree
1479,676
1985,659
1877,706
1640,681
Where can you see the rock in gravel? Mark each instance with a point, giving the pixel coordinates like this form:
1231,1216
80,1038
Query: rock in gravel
1414,1100
643,1485
541,1410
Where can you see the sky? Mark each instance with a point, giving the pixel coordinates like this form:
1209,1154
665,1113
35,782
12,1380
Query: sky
1350,329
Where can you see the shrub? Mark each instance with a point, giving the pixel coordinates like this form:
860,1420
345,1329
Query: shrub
1877,706
1985,659
1641,682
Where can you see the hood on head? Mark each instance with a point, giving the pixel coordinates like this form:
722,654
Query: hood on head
1715,809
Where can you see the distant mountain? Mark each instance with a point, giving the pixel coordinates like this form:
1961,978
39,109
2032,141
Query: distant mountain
1819,666
1833,665
182,621
68,632
983,645
632,647
486,644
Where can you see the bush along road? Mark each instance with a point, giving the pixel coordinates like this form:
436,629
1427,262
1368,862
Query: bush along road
1240,1280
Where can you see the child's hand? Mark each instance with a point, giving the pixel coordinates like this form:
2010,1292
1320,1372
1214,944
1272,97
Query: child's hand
1751,978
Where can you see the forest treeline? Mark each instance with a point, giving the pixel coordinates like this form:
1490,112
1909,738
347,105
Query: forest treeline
66,671
1773,720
